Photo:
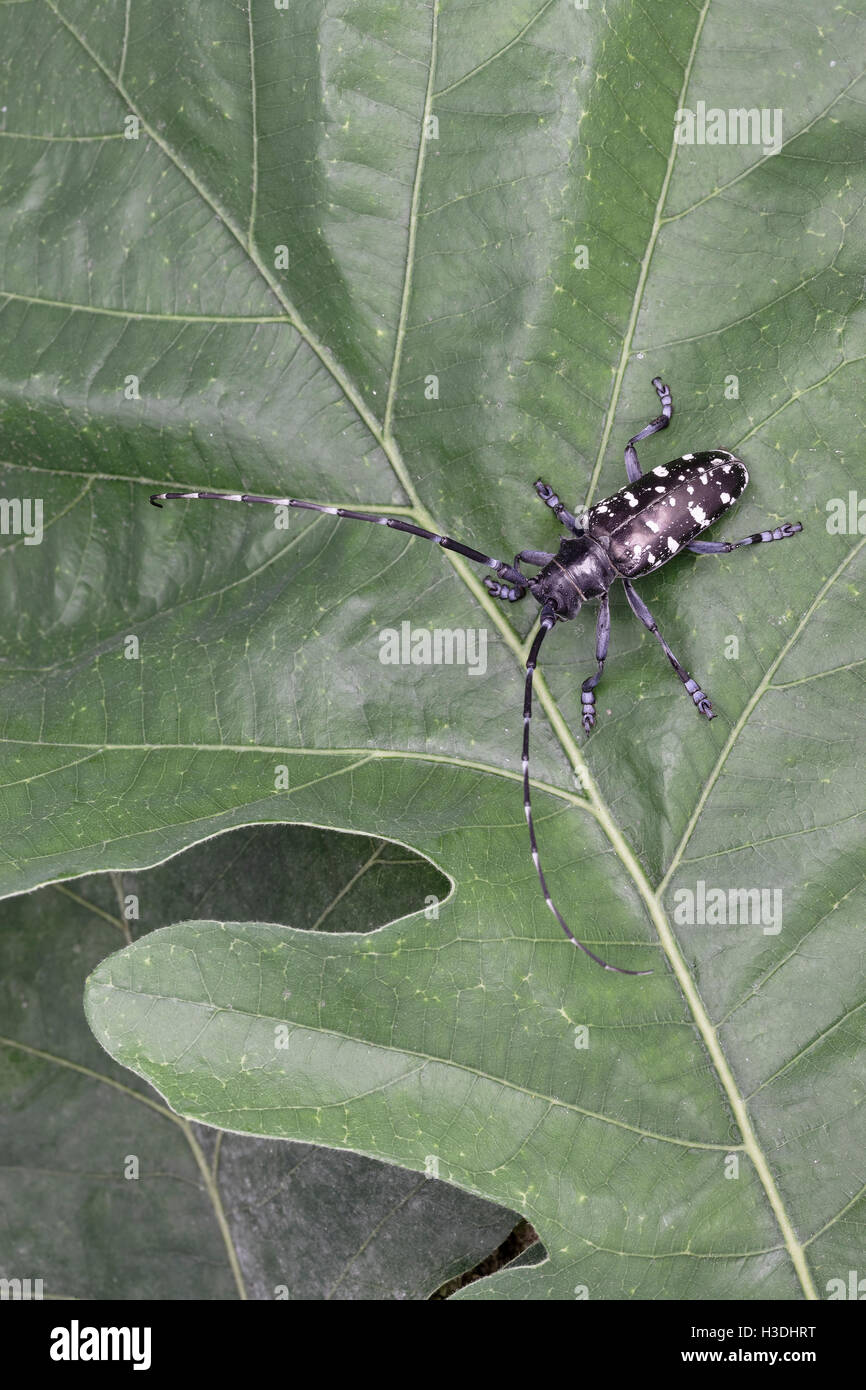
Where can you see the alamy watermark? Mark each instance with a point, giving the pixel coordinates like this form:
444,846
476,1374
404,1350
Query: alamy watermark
851,1288
22,516
846,516
437,646
729,907
21,1289
737,126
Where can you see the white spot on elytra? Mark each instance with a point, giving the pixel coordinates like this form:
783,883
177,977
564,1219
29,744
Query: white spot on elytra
698,513
660,472
652,526
673,545
725,497
687,458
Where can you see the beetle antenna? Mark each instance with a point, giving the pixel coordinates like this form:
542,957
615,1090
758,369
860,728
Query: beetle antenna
507,572
548,618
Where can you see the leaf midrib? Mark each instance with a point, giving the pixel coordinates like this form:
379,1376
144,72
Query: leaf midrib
392,453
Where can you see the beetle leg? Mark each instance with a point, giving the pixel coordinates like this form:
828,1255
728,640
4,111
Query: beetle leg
512,593
781,533
533,557
640,609
509,593
561,512
602,641
632,467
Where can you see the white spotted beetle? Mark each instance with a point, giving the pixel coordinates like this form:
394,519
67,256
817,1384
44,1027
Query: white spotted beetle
625,536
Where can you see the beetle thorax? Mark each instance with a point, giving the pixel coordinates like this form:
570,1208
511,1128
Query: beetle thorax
579,571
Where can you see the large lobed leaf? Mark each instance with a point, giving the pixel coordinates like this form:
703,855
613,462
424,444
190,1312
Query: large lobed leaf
156,258
201,1214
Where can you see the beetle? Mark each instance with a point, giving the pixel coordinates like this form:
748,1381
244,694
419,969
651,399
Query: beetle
623,537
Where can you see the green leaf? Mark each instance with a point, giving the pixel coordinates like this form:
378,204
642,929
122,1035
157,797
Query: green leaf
737,275
90,1152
